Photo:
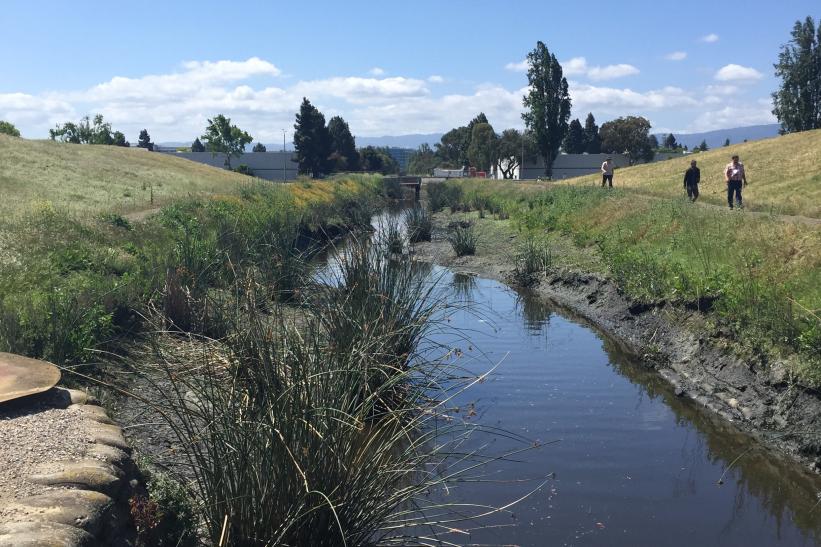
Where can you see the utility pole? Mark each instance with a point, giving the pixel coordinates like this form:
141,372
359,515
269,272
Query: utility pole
522,164
284,158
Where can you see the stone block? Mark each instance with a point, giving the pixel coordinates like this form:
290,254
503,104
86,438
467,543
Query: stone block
94,413
110,435
87,475
84,509
43,534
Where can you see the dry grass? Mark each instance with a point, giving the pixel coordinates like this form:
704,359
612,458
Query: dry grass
784,174
86,179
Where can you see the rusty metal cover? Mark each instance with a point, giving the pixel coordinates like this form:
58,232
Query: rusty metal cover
21,376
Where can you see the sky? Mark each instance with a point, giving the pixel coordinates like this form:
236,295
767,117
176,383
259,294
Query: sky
388,68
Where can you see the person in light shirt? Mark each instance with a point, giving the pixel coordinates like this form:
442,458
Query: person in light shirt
736,178
607,172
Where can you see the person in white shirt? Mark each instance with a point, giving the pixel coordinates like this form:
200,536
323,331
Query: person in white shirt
736,178
607,172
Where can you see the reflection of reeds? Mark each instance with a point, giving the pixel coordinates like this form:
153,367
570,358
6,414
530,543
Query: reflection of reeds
463,285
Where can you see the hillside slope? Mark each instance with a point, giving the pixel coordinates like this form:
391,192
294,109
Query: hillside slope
87,179
784,174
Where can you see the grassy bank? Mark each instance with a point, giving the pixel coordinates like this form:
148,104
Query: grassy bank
783,173
76,272
757,278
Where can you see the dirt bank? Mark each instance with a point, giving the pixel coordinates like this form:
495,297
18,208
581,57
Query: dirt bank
755,394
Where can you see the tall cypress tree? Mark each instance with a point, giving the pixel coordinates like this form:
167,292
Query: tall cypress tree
797,104
311,140
343,144
547,103
574,141
592,140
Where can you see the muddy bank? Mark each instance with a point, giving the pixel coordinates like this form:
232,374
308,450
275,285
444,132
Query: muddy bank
755,395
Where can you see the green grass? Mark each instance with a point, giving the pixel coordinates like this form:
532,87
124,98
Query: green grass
756,276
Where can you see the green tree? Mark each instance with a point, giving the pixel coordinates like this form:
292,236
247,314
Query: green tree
343,145
118,139
144,140
377,160
197,146
727,141
628,135
797,103
311,140
423,160
223,138
88,131
670,142
259,147
482,148
7,128
512,145
654,142
574,140
703,146
547,103
452,148
592,140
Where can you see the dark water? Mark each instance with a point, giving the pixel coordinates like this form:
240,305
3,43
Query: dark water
634,464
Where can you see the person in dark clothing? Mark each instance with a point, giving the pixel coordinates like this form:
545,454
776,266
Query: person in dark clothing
691,179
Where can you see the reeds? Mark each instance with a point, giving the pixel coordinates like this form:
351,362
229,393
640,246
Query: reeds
463,239
419,223
326,430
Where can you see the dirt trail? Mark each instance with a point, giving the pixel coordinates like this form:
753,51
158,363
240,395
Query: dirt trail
139,216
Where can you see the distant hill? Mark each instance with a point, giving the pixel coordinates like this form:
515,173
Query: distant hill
400,141
716,138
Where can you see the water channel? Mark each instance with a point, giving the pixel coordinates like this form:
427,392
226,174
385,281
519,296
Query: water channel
633,463
626,461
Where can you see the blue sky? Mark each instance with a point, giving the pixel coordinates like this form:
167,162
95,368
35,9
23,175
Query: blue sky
389,68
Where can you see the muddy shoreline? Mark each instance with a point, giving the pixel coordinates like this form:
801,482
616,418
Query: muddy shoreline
755,396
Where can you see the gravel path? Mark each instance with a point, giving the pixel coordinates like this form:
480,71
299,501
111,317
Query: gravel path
34,434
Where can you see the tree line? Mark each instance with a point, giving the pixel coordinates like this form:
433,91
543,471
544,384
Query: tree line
323,149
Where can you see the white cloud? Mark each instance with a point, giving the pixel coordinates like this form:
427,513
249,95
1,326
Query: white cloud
618,101
376,71
577,66
676,56
27,111
733,116
735,73
709,38
521,66
175,106
721,89
611,72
